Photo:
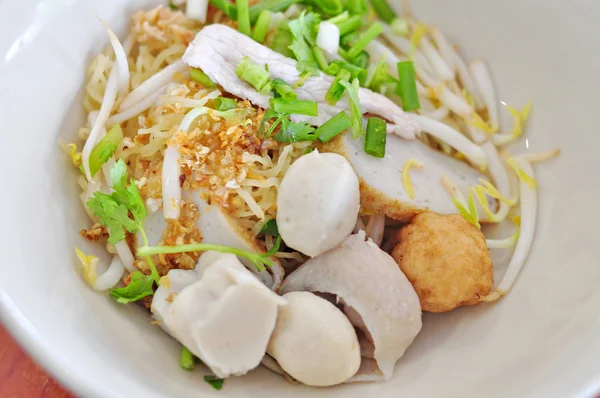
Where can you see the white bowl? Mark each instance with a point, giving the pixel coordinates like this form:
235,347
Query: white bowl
542,340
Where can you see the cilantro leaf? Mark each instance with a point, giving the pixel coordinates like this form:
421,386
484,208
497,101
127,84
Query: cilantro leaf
378,75
214,381
129,196
113,209
308,26
118,175
113,215
135,203
302,29
295,132
270,114
139,287
270,228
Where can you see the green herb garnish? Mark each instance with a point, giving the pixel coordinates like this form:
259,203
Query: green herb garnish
355,109
187,361
407,86
375,137
333,126
214,381
255,75
105,149
198,76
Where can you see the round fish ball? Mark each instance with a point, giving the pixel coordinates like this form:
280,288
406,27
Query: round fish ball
314,342
317,203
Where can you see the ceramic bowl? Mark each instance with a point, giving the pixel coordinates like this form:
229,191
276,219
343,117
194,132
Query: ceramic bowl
542,340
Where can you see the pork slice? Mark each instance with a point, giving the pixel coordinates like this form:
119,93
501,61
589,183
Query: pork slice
219,49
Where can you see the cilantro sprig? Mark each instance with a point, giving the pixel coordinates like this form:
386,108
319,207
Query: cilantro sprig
270,228
123,211
304,37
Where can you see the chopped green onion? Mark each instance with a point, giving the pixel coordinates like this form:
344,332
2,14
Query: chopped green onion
308,150
383,10
335,92
329,7
225,6
198,76
243,16
407,86
297,107
320,58
105,149
378,75
374,30
283,90
283,40
172,6
357,7
224,104
186,359
375,138
349,25
355,110
332,69
262,26
355,71
362,60
214,382
271,5
339,18
254,75
399,27
349,39
333,126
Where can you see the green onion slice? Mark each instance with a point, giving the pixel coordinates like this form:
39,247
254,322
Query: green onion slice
186,359
228,8
243,14
254,75
375,137
333,126
349,25
383,10
370,34
335,92
271,5
298,107
283,90
224,104
104,149
407,86
198,76
262,26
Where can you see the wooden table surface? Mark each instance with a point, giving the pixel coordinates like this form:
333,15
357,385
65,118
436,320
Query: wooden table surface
20,377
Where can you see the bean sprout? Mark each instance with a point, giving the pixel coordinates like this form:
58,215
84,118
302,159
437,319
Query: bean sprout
528,198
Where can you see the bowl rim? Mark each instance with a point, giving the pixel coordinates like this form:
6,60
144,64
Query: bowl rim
44,354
